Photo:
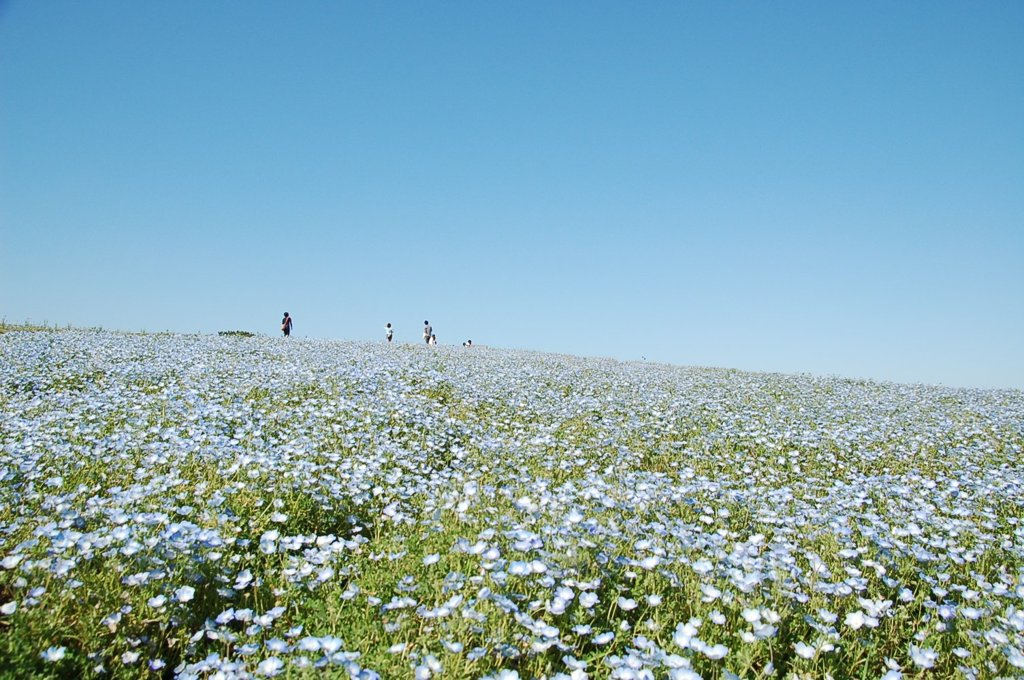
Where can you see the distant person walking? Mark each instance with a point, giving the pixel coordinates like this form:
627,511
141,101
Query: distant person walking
390,332
286,324
433,339
428,330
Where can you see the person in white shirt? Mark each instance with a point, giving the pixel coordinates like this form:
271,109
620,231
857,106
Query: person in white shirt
390,332
427,332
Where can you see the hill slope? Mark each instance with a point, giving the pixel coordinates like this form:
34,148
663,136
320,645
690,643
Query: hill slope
261,505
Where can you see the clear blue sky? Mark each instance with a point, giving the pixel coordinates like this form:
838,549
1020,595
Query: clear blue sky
832,188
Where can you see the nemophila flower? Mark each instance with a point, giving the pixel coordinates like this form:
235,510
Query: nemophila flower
184,593
715,651
111,621
527,504
308,644
502,675
827,616
564,593
453,646
875,608
703,567
243,580
277,645
519,568
9,608
289,543
686,632
270,666
804,650
324,574
710,593
996,637
53,654
626,604
572,663
856,620
684,674
923,657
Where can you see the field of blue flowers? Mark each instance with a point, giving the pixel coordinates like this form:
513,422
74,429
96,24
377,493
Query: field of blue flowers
226,506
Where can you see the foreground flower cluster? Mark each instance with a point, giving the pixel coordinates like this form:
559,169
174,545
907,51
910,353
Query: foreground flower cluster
252,507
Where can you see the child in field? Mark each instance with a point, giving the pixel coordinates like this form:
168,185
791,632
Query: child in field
390,332
433,339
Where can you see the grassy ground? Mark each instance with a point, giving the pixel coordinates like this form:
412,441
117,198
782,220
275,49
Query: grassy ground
266,506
